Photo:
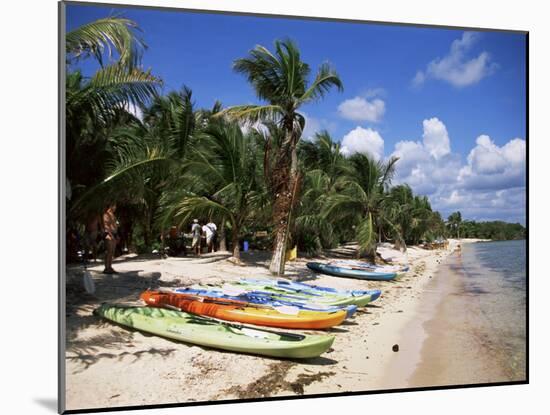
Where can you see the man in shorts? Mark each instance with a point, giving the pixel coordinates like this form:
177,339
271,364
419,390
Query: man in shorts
210,231
196,232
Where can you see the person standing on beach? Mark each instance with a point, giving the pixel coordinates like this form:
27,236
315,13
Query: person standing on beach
92,235
110,233
210,231
196,232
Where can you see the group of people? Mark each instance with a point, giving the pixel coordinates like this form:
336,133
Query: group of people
105,227
209,231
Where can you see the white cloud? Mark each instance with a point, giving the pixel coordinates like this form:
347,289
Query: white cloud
488,185
424,164
361,109
435,138
455,67
482,205
361,140
492,167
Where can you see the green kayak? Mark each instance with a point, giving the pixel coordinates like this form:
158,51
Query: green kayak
177,325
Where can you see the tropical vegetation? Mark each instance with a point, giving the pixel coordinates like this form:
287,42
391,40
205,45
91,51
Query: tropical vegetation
164,161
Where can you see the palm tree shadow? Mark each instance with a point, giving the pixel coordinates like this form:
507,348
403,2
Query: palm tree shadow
316,361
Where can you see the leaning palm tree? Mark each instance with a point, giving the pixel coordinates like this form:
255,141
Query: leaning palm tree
98,104
222,181
281,79
359,199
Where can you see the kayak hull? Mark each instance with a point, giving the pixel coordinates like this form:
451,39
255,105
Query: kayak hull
350,273
191,329
265,299
244,312
369,266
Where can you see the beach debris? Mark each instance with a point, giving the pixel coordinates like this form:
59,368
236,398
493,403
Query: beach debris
236,261
395,348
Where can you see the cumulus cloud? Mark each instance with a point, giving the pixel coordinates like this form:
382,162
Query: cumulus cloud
363,140
482,205
492,167
488,185
435,138
361,109
424,164
455,67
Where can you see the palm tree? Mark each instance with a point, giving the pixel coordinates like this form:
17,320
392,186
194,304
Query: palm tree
222,173
411,214
454,222
321,165
281,79
97,105
359,199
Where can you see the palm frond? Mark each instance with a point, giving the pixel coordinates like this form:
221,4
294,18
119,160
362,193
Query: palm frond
366,235
326,79
102,36
252,114
199,206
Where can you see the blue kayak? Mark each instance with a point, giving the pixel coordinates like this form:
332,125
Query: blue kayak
300,287
267,299
350,272
368,266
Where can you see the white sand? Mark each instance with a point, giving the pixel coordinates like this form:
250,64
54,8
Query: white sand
108,365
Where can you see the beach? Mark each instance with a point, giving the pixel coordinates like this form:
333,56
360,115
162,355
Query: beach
394,342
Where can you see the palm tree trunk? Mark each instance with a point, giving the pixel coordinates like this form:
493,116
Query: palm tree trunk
277,265
235,243
281,214
223,242
282,185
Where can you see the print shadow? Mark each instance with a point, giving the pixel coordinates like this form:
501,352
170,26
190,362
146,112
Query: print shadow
49,403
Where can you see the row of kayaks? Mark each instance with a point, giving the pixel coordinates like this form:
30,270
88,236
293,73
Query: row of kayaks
229,317
247,316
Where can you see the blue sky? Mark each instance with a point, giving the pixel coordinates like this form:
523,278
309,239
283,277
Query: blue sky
449,103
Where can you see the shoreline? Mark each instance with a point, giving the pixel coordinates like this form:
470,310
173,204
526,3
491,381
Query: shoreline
145,369
455,349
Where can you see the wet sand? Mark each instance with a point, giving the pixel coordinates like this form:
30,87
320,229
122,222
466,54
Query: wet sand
458,346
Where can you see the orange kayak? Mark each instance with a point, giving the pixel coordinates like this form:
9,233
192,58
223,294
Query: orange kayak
233,310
